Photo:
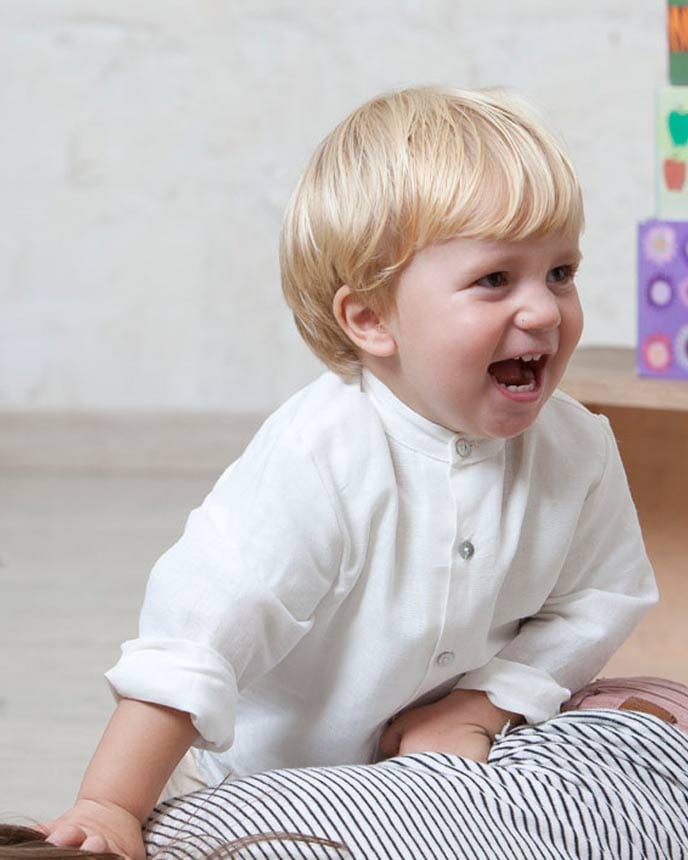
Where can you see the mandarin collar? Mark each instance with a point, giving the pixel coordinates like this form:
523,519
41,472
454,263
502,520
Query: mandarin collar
414,431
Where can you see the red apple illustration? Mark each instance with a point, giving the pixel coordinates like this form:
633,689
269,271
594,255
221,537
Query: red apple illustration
674,174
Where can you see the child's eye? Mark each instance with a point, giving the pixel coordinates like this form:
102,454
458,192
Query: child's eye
561,275
493,280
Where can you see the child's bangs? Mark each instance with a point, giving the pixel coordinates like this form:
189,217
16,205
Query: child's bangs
504,181
525,195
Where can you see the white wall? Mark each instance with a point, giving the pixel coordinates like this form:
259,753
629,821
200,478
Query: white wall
148,147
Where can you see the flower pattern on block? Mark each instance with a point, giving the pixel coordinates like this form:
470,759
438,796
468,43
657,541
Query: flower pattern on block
660,243
660,292
657,352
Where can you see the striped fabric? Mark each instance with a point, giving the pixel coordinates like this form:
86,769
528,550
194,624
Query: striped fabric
587,784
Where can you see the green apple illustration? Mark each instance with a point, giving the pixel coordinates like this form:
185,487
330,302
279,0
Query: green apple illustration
678,127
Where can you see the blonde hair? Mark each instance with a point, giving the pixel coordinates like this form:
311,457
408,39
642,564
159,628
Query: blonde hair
406,170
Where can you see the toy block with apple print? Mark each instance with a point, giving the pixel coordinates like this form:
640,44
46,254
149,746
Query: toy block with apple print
663,299
672,152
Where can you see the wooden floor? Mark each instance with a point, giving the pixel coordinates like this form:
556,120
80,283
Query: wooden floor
75,551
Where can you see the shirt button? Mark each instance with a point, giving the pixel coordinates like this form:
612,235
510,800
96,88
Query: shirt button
446,658
466,550
463,448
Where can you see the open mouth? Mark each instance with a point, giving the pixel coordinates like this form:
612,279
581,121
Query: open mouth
519,375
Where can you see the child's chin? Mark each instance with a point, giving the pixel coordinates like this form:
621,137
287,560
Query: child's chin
507,427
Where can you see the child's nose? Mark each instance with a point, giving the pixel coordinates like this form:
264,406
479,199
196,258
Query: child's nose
539,311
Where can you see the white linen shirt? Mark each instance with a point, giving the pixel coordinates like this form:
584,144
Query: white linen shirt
358,558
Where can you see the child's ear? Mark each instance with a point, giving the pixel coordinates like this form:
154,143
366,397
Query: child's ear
364,326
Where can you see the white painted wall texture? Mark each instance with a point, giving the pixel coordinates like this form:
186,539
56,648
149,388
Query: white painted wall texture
147,150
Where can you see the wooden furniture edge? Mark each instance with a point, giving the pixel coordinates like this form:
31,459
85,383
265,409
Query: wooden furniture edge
607,375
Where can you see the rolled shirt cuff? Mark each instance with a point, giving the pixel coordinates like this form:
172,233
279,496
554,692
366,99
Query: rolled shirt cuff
183,675
518,688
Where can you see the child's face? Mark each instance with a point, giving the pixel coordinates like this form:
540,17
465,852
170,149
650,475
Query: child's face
465,311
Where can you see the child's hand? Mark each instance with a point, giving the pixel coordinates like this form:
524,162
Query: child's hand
95,826
135,757
463,723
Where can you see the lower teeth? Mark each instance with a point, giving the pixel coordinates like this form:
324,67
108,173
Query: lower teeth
529,387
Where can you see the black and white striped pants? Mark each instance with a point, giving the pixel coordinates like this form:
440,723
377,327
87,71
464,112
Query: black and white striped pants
600,784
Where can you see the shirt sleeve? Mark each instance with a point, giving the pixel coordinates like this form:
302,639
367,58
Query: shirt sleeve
238,591
604,588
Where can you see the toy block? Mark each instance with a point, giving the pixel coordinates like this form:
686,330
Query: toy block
663,299
672,153
677,25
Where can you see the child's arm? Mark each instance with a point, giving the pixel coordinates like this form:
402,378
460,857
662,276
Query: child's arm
463,723
140,748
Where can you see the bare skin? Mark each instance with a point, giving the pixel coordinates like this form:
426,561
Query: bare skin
140,748
463,723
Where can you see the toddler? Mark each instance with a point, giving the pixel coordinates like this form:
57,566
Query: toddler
427,542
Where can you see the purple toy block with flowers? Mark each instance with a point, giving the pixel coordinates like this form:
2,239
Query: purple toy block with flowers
663,299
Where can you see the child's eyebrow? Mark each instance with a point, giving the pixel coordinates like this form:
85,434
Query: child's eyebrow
574,256
567,255
504,260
